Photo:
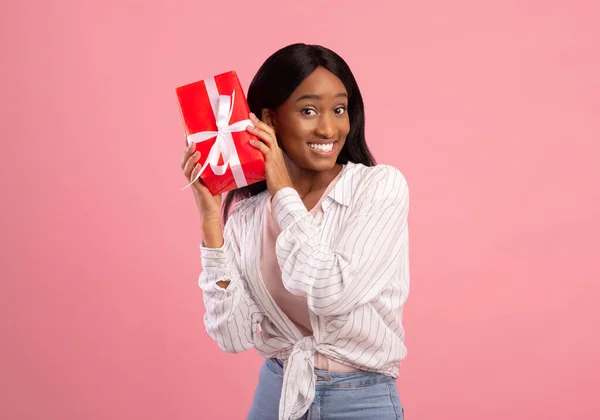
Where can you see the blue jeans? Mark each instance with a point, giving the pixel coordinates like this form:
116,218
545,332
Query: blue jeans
343,396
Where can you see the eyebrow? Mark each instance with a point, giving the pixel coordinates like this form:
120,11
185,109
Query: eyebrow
318,98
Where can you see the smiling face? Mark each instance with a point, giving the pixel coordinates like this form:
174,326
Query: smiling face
312,124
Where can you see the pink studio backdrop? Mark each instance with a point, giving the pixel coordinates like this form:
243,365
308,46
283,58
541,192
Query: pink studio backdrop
491,110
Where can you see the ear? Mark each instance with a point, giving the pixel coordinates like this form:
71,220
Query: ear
268,117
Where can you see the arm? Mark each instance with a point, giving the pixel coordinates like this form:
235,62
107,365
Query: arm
369,252
231,313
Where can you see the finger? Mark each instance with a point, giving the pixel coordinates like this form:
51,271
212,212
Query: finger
188,152
199,185
260,146
263,135
261,125
189,165
195,171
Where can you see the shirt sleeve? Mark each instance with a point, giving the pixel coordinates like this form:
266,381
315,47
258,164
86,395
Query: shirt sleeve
369,251
231,315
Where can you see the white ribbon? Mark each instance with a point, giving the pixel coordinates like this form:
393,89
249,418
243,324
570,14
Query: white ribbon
222,106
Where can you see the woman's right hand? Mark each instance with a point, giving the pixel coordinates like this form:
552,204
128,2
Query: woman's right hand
209,205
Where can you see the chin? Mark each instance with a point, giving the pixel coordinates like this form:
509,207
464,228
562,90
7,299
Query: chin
321,164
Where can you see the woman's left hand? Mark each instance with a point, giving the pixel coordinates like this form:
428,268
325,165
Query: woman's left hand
275,170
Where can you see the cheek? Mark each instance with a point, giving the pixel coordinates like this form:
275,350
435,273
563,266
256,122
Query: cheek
344,128
290,138
296,132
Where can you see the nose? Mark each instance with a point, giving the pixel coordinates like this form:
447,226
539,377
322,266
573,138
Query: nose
326,127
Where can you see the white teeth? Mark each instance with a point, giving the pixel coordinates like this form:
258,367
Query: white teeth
321,147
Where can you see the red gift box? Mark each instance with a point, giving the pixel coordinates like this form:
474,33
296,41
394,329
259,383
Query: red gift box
215,117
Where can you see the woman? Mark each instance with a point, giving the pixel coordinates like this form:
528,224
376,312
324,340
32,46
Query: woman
311,267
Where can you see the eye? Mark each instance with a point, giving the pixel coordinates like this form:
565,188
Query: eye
309,112
340,110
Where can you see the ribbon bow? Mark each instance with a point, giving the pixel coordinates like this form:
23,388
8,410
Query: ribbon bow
298,380
224,145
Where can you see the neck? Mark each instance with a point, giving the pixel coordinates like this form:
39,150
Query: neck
306,181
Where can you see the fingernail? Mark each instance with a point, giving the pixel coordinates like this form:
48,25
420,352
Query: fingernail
250,128
252,115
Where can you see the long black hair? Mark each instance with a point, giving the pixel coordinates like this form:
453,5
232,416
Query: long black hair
277,79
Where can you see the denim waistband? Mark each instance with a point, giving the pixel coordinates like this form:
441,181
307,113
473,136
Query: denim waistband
337,379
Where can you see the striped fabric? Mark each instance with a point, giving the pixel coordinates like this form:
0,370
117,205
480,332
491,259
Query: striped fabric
353,269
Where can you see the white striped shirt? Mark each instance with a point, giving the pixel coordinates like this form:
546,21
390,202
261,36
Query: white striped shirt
353,269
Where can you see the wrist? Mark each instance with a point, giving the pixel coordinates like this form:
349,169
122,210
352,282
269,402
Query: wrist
212,234
278,188
211,220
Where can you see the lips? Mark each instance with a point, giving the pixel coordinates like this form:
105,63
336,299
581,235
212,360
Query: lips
321,147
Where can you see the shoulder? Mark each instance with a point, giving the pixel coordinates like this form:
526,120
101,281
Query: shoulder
379,182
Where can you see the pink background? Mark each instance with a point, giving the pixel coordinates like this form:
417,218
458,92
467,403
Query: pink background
490,108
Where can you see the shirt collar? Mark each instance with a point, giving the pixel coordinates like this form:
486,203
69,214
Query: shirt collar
342,190
340,193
